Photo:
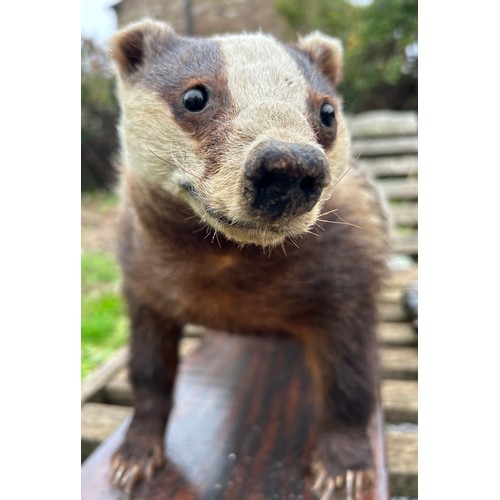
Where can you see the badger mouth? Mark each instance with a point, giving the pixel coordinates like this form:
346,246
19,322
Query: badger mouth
224,220
255,231
278,187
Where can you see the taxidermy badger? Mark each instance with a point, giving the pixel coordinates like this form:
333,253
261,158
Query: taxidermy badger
242,138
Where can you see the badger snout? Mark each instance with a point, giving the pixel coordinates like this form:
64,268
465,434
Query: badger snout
283,179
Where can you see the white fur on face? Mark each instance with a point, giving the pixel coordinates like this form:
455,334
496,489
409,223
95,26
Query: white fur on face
156,149
267,89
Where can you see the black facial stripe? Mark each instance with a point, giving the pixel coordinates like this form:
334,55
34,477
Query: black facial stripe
185,63
181,60
320,91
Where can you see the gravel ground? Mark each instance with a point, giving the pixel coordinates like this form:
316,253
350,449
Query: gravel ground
98,219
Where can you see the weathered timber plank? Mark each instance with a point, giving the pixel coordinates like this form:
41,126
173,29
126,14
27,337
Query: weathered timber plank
397,335
402,459
391,295
195,331
383,123
389,166
390,333
98,379
188,345
98,422
402,277
391,312
93,388
406,243
404,214
399,189
400,400
385,146
396,284
399,363
118,391
401,449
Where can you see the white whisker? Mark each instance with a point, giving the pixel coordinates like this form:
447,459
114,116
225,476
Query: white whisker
339,222
327,213
341,177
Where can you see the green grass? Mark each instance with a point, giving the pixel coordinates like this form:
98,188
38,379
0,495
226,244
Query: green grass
104,324
98,268
101,200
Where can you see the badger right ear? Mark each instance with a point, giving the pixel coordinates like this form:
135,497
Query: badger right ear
326,52
131,46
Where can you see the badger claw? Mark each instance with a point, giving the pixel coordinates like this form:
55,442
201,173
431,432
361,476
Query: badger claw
132,463
351,485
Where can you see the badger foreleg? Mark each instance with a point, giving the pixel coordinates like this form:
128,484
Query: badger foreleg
344,366
152,370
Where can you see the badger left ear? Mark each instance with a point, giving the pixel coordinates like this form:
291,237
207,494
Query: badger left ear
134,44
325,52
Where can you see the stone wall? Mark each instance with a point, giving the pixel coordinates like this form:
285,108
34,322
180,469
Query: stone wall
209,16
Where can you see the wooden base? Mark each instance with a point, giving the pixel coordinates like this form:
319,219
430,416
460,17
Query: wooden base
243,427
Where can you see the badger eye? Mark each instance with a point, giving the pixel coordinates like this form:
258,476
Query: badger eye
327,114
195,99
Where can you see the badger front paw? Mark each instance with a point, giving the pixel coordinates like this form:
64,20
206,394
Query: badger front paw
133,462
343,468
350,485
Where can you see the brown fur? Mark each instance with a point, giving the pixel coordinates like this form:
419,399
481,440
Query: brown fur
319,286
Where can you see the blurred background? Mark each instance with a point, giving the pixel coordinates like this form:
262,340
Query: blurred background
379,36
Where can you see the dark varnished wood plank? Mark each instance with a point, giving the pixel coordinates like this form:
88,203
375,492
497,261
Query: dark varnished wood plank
243,428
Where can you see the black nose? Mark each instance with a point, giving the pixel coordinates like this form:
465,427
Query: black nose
284,179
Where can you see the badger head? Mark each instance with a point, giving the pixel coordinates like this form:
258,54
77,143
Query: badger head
248,131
